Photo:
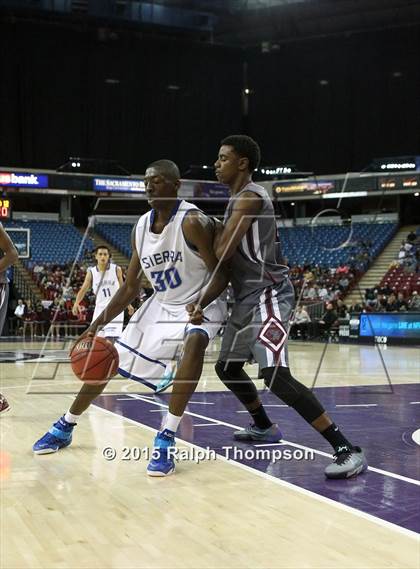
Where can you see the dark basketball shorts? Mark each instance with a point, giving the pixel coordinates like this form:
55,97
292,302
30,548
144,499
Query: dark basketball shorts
258,327
4,296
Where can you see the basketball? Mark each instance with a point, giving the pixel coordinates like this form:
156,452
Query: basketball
94,360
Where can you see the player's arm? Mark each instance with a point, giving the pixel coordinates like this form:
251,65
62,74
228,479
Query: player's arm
199,230
246,208
87,285
124,295
10,254
121,282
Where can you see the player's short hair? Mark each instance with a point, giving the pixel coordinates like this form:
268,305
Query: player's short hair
101,247
167,168
246,147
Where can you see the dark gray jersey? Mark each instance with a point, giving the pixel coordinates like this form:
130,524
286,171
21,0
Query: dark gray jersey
3,278
254,265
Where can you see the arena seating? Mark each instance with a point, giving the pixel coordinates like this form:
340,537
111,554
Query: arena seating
53,242
301,245
400,281
118,234
403,276
322,245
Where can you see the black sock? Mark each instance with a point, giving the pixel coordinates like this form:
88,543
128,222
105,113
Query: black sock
335,437
260,417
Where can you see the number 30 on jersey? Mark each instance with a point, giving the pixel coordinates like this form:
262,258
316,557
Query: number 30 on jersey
162,280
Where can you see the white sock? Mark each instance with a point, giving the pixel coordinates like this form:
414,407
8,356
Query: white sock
70,418
171,422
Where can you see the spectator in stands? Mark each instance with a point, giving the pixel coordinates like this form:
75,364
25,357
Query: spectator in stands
385,290
329,318
41,320
336,293
411,237
300,323
20,309
38,269
414,302
410,263
323,293
17,319
59,318
355,308
391,303
29,318
67,293
401,303
342,311
342,269
371,296
343,283
310,293
330,295
308,275
402,252
380,304
29,311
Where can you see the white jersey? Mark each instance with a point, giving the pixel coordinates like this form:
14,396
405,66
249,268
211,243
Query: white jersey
104,284
175,269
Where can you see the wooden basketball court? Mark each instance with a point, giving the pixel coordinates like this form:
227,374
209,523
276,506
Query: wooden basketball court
77,509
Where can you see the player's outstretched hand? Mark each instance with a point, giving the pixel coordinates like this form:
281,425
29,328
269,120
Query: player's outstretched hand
195,313
75,310
88,333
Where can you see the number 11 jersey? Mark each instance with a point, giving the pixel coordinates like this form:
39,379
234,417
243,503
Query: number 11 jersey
104,284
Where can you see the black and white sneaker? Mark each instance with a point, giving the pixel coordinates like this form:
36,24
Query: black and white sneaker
347,462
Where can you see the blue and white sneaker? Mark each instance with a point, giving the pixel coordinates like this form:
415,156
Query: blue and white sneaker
162,464
166,382
253,433
59,436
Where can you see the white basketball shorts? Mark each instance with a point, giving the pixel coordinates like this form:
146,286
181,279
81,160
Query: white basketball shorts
153,338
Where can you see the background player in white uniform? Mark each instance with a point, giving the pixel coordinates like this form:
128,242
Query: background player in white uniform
8,256
173,246
105,278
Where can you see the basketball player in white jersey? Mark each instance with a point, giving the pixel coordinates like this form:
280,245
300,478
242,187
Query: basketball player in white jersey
8,256
173,246
105,278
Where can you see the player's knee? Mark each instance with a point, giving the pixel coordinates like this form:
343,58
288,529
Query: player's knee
281,382
236,380
228,371
196,343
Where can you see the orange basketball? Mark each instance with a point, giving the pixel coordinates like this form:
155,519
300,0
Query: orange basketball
94,360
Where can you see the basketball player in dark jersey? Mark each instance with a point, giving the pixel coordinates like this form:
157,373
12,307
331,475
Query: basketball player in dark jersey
264,299
8,256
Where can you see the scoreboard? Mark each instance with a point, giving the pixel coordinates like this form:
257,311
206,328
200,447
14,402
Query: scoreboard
399,182
5,208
